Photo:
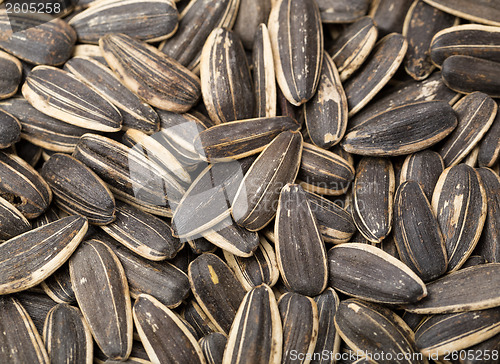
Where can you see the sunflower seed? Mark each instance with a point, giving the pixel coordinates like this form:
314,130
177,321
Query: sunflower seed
489,146
482,11
328,337
67,337
227,87
58,286
201,245
213,346
369,273
155,77
459,202
300,250
342,11
297,41
37,305
151,20
256,325
10,75
233,238
102,294
166,338
12,221
216,289
359,322
389,15
10,129
255,203
383,62
88,50
19,341
198,319
424,167
24,267
263,72
251,14
326,113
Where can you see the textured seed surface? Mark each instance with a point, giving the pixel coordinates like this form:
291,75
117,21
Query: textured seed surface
10,75
423,167
328,337
264,81
12,222
58,286
213,346
482,11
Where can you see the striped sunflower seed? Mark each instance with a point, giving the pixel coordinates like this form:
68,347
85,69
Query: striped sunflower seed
389,15
12,221
359,322
67,336
28,151
328,337
353,46
256,325
102,294
460,205
424,167
19,340
226,82
216,289
417,235
263,71
10,75
233,238
150,20
165,336
473,261
372,198
201,245
489,146
198,319
369,273
58,286
24,267
300,250
255,203
10,129
37,305
297,41
22,186
483,11
88,50
299,317
251,14
36,39
325,113
77,189
196,22
155,77
343,11
213,346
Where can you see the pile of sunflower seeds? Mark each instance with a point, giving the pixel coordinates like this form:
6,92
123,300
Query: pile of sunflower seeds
250,181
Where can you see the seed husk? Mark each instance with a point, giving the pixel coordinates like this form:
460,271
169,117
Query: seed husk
489,146
251,14
460,205
102,294
37,305
22,186
213,346
36,39
31,257
255,203
342,11
417,235
216,289
442,334
264,80
328,337
297,41
12,221
256,325
372,198
325,113
19,340
10,129
155,77
482,11
359,322
421,23
165,336
226,82
389,15
300,250
383,62
67,337
424,167
353,46
10,75
201,245
151,20
196,22
233,238
198,319
467,74
369,273
58,286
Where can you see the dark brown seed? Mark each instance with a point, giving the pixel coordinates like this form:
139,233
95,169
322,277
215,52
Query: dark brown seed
424,167
12,221
167,339
256,200
251,14
403,130
155,77
372,198
19,341
77,189
459,202
67,337
216,289
36,39
102,294
421,23
342,11
442,334
233,238
256,335
33,256
383,62
213,346
375,331
242,138
37,305
489,146
226,82
297,40
11,72
151,20
369,273
300,250
10,129
389,15
198,319
481,11
28,151
328,337
58,286
467,74
326,113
